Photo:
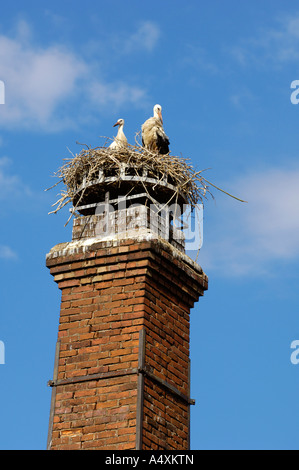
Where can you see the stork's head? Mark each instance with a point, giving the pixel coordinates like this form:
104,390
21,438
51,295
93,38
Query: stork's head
158,112
120,122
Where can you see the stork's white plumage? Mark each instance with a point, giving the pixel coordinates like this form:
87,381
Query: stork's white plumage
120,141
153,135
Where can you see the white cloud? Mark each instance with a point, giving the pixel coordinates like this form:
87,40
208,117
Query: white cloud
278,44
273,217
145,38
11,185
250,238
116,94
36,81
40,82
7,253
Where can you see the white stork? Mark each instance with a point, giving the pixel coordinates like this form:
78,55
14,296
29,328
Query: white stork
120,141
153,135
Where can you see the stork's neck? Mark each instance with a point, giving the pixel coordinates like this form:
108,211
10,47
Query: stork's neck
120,129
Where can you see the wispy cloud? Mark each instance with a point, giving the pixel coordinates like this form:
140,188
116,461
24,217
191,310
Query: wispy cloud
278,44
144,38
197,57
44,83
250,239
11,185
116,94
7,253
242,97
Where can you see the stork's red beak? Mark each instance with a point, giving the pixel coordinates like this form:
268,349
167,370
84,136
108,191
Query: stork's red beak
116,124
160,116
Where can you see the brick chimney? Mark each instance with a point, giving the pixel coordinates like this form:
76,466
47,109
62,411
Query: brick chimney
122,370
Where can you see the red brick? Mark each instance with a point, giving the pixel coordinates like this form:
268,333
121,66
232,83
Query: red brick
109,294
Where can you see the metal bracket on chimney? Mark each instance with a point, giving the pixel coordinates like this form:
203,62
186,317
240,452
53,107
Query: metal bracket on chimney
145,370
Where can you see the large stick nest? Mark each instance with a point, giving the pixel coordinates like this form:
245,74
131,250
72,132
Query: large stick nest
87,164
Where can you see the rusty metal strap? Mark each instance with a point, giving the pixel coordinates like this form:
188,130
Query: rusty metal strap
140,390
166,385
53,397
90,377
106,375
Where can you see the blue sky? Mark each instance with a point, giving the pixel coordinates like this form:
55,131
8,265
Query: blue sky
222,72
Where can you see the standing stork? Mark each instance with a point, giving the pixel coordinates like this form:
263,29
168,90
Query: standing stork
120,141
153,135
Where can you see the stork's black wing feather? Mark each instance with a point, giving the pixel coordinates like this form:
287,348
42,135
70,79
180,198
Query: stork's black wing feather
162,143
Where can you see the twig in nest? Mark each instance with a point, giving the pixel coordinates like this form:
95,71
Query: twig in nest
78,172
